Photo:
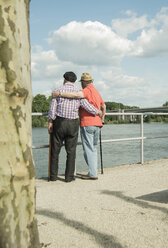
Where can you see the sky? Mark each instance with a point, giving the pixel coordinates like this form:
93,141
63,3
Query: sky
123,44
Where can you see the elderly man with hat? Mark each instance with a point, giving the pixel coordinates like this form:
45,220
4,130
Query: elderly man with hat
64,125
89,125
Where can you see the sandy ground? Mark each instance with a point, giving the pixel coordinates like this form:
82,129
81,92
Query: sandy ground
126,207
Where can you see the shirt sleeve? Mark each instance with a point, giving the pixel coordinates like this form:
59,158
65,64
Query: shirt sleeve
84,91
52,109
88,107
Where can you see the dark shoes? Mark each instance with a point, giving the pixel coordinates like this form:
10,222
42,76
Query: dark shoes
68,180
52,179
86,177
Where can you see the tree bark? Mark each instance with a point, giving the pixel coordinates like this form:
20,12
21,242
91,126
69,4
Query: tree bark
18,226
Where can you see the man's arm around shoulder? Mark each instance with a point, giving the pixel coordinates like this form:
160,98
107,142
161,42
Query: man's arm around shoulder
78,94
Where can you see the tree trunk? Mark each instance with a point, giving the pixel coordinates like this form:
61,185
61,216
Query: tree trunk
18,226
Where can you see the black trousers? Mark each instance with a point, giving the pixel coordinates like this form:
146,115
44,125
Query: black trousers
64,130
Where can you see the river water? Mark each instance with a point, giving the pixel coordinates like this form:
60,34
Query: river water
114,154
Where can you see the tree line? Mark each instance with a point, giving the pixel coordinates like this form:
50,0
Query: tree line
41,104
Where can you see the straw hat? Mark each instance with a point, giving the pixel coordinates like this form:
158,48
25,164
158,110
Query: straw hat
86,77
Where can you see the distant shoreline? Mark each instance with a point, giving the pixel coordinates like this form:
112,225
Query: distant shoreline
113,123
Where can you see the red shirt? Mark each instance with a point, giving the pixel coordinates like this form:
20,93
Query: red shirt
93,97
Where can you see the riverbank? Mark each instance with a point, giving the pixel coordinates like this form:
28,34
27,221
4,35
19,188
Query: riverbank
126,207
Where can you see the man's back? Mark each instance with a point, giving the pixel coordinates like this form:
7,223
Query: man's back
94,97
69,107
66,107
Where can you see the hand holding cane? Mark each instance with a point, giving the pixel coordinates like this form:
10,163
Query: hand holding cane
101,157
50,129
49,164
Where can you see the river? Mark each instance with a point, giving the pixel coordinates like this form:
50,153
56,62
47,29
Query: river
114,154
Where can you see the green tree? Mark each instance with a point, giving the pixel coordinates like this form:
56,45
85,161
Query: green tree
40,105
147,118
116,106
165,104
159,118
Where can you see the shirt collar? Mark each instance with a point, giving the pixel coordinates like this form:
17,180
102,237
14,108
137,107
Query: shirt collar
69,83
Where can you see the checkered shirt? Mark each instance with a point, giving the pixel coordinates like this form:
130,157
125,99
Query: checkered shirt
69,107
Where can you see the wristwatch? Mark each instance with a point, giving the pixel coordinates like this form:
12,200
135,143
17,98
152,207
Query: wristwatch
59,94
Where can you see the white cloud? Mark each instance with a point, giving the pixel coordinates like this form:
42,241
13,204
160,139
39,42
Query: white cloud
47,70
131,90
112,82
42,61
119,79
93,43
162,17
153,41
98,49
124,88
89,43
129,25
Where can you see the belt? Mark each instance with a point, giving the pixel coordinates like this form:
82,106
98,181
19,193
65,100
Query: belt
62,118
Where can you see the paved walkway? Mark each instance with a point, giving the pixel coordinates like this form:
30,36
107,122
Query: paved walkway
126,207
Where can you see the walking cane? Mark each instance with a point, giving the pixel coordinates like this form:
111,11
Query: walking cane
49,164
101,157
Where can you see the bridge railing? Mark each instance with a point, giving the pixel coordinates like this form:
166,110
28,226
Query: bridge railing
141,137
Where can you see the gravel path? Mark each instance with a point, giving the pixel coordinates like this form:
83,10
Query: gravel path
126,207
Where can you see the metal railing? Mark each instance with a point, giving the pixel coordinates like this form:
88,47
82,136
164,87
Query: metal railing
141,137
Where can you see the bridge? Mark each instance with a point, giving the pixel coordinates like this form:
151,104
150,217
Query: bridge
141,110
137,110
